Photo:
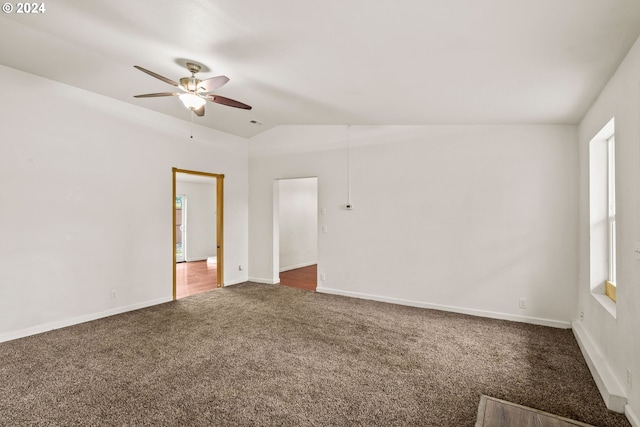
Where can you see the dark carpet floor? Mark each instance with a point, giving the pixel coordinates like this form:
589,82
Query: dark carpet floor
264,355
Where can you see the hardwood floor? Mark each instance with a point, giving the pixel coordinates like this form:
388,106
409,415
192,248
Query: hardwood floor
200,276
195,277
301,278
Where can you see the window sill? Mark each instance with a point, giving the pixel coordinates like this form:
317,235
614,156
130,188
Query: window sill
606,303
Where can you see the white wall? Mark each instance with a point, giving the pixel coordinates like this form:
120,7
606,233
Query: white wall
298,222
201,218
615,339
465,218
87,182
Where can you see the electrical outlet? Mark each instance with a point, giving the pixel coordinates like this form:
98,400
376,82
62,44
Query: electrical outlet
629,377
323,277
522,303
114,295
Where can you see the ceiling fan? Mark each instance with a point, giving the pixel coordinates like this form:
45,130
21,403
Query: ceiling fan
195,92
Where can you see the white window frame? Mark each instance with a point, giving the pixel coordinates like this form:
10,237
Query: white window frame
602,217
610,285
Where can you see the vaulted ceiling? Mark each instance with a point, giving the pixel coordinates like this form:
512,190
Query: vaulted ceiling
367,62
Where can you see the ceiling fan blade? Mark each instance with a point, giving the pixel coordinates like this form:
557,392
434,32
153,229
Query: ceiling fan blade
154,95
228,101
212,83
157,76
199,111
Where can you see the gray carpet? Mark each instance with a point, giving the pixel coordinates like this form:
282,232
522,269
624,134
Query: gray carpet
264,355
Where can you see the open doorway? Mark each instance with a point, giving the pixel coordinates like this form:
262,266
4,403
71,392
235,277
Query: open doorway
197,232
297,209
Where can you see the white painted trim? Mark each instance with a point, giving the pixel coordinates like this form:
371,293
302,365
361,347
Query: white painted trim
80,319
472,312
265,281
293,267
235,282
631,416
196,259
612,393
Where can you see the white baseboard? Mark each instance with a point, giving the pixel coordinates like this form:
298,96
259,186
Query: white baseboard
196,259
472,312
80,319
293,267
265,281
631,416
235,282
612,393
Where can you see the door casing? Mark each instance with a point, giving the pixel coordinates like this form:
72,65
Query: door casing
219,222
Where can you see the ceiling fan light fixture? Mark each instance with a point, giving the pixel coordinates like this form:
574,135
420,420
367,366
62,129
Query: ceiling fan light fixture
196,92
191,101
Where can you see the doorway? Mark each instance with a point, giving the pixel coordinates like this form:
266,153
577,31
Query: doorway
297,225
198,256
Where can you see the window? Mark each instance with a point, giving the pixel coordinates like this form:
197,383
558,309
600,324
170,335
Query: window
602,217
610,286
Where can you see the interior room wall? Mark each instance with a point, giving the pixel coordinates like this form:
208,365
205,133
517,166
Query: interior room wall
463,218
298,223
201,218
89,182
615,339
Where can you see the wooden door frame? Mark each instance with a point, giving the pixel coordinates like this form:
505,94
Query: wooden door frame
219,222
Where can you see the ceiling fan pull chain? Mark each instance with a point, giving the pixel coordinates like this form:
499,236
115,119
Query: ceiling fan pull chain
192,114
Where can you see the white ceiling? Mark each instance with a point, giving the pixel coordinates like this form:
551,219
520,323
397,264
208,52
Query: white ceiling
361,62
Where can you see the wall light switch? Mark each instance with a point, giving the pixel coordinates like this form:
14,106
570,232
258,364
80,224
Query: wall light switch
325,229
